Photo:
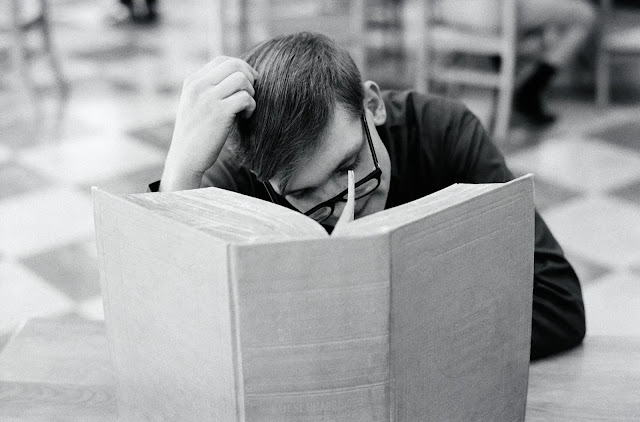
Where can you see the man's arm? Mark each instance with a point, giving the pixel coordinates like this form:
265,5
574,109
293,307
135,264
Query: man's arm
558,311
211,100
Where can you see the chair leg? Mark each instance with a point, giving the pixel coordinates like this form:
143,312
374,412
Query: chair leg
49,48
19,65
503,114
358,35
416,10
603,81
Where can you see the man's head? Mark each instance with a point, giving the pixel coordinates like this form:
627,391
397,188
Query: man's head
306,125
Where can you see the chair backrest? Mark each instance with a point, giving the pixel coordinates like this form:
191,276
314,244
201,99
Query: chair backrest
258,20
344,21
492,33
469,29
20,12
620,29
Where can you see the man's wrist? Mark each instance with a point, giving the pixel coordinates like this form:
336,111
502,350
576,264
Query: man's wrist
174,179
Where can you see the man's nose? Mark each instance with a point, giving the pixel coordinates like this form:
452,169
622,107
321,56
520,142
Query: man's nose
333,187
338,208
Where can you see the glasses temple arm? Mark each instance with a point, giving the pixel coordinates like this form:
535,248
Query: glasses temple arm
368,135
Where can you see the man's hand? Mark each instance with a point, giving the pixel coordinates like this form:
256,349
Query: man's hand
210,101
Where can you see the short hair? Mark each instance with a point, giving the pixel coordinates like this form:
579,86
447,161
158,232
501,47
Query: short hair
303,78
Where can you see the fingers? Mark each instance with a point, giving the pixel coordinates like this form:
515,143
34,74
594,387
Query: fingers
224,80
231,84
241,102
219,69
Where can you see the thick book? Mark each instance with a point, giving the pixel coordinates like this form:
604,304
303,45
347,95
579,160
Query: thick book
223,307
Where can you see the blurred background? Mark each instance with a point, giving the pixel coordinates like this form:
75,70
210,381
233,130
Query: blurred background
89,91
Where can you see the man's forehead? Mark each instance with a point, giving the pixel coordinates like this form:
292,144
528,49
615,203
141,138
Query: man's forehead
340,142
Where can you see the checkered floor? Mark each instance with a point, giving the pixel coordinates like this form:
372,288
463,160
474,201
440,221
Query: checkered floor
114,128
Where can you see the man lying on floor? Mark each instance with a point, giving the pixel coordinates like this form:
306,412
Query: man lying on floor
286,124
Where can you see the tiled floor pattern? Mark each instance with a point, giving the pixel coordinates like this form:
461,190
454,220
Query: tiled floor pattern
115,126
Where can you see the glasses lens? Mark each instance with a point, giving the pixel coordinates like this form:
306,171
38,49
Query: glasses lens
321,214
365,189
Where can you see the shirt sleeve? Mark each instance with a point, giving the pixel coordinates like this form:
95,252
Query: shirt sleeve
558,311
227,173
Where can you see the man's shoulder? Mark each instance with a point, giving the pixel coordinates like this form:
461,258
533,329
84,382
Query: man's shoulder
413,107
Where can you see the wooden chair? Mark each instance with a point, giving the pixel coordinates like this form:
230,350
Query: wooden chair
14,34
442,45
620,38
256,20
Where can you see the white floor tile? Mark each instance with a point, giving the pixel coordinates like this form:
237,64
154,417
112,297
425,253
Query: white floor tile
117,113
5,153
611,305
44,219
585,165
25,295
88,161
603,229
92,309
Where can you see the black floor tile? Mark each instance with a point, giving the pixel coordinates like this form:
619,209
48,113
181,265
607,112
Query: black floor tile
21,133
116,53
630,192
124,87
626,134
4,340
587,270
547,194
134,182
15,180
71,269
158,135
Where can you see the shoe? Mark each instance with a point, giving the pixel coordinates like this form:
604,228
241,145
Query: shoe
528,97
122,14
144,13
118,15
149,18
533,110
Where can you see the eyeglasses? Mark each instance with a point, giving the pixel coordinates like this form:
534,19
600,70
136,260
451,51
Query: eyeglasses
363,187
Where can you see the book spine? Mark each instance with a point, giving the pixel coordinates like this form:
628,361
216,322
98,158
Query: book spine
169,319
314,330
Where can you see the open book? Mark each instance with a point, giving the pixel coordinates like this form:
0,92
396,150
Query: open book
223,307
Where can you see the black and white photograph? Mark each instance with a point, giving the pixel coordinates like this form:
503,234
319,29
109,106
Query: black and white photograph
319,211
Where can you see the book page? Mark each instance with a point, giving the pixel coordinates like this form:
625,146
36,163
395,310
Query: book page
348,210
230,216
461,295
392,218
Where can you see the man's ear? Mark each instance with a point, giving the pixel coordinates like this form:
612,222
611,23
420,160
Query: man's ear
373,102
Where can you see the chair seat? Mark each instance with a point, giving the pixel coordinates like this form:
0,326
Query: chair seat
625,40
444,38
327,24
466,76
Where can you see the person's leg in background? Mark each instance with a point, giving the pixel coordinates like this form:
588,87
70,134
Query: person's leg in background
575,19
136,11
483,15
152,10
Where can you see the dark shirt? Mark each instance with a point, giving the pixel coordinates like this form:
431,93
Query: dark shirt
433,143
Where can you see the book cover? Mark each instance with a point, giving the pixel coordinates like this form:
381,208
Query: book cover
228,308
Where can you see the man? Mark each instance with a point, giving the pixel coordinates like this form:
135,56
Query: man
290,121
574,21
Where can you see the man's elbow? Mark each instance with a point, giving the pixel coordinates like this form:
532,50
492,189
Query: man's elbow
551,336
576,330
